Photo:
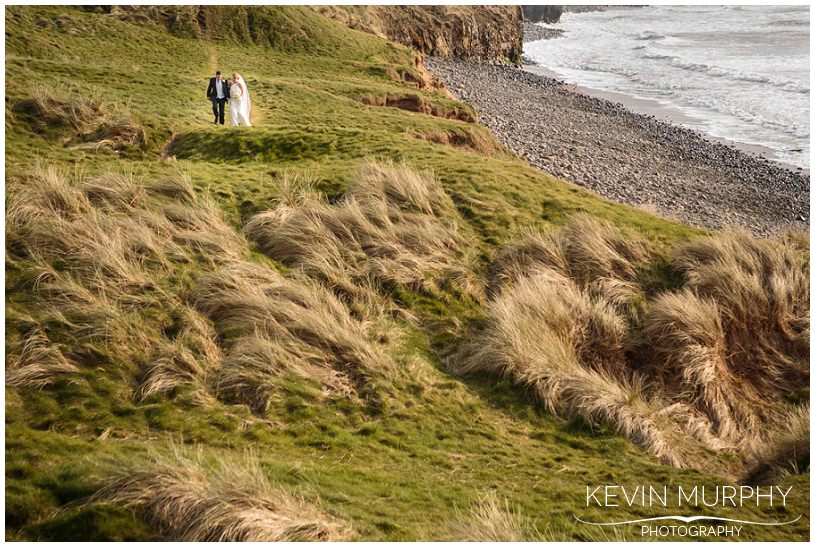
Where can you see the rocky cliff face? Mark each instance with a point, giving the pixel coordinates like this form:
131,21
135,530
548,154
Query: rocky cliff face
461,32
545,14
551,14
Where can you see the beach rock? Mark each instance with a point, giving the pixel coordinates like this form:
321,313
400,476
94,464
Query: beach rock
534,32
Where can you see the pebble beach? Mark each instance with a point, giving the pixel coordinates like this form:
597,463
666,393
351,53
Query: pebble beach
629,157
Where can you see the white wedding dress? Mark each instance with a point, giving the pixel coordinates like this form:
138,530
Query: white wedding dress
239,102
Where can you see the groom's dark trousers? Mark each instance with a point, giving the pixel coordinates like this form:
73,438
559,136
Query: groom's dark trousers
218,104
218,109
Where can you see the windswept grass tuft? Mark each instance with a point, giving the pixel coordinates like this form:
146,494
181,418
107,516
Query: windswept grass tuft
492,519
568,349
590,251
531,252
715,359
734,342
37,364
554,327
785,449
81,118
192,358
281,326
394,227
102,253
605,261
188,496
762,289
689,346
99,232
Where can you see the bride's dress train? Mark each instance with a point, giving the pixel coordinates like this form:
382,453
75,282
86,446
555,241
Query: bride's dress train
239,102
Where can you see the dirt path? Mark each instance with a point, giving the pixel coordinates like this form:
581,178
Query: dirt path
213,60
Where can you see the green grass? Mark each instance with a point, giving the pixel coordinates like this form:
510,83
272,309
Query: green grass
398,471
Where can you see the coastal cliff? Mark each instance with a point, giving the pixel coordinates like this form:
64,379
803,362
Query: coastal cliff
542,14
492,33
551,14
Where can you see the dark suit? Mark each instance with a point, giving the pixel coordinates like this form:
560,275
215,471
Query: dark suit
218,104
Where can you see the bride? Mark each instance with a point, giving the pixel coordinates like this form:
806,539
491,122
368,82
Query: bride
239,103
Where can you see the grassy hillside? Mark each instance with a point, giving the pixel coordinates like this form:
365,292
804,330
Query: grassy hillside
138,314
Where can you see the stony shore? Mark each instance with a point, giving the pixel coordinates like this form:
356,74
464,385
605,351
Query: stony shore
628,157
534,32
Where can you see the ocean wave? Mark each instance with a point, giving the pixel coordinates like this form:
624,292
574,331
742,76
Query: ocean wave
791,23
728,73
648,35
615,70
781,129
683,93
658,57
697,61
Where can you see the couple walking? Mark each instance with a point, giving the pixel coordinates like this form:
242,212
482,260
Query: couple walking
236,93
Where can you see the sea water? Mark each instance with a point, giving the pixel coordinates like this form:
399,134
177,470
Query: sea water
735,72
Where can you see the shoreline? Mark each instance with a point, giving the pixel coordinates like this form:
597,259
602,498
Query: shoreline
668,114
640,159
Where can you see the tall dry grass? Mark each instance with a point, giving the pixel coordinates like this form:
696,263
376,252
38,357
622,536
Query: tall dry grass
590,251
258,367
197,221
686,335
492,519
393,227
716,358
531,252
84,257
83,117
281,327
103,232
784,450
605,261
713,359
568,349
37,363
734,342
191,358
102,251
762,290
189,496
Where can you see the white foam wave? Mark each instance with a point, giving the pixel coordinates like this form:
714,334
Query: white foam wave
648,35
722,72
743,73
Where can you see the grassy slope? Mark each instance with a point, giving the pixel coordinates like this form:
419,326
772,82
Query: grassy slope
398,472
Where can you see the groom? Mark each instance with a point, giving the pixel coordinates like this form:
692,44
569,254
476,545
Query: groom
218,93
